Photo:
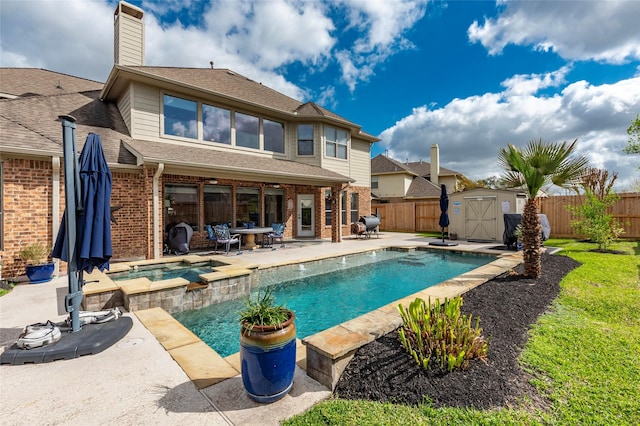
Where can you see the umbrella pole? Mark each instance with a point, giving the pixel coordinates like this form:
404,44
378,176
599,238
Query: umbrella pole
71,187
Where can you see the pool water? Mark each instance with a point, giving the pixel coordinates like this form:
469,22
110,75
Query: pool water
190,272
353,286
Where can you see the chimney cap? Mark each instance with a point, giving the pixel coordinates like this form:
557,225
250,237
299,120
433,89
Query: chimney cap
129,9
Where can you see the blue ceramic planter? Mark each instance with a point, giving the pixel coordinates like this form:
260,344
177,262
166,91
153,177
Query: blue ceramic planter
268,357
40,273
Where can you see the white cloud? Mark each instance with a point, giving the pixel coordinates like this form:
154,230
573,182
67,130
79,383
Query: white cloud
470,131
259,39
605,31
72,37
380,27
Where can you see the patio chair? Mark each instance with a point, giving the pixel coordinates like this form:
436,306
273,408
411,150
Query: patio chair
211,236
224,237
277,233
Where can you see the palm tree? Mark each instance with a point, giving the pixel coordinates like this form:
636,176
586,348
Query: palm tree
540,163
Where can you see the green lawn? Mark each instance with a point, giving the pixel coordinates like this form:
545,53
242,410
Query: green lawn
584,355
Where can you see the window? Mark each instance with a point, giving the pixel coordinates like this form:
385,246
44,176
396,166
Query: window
247,206
354,207
247,130
273,206
327,207
180,117
336,142
343,207
216,124
217,205
273,135
181,205
374,182
305,139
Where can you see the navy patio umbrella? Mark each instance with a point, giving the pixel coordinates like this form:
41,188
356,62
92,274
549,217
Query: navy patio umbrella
84,238
444,207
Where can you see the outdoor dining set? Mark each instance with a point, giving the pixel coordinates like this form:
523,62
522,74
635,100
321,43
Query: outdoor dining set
253,236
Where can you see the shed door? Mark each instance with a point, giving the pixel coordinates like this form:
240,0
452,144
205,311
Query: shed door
480,218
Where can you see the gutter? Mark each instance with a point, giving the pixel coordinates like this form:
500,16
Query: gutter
55,206
156,211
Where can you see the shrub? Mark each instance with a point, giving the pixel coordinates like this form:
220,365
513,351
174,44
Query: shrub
593,220
441,333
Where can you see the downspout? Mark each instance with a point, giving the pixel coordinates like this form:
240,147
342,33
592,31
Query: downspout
156,211
55,207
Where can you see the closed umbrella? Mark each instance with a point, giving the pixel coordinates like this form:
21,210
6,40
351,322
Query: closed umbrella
84,239
444,206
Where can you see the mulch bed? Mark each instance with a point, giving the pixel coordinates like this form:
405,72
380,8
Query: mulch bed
507,306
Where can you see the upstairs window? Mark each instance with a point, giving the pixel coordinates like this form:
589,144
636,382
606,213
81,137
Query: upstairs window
305,139
247,130
180,117
336,142
216,124
273,135
374,182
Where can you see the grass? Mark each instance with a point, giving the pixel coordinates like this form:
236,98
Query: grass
6,288
584,355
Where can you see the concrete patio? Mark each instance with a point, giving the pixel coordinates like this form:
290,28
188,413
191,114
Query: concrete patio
137,381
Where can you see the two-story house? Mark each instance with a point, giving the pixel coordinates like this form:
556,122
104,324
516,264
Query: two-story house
395,182
203,146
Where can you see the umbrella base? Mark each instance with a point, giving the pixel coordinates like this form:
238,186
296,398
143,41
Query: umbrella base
442,243
89,340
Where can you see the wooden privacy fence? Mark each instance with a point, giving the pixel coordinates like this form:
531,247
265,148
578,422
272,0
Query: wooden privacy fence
423,216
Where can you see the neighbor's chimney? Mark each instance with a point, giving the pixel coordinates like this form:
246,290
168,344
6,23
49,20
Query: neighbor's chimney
435,163
128,35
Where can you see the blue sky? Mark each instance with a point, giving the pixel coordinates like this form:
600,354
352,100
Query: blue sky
471,76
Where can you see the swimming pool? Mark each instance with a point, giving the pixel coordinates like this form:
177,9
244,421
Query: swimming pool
190,272
325,294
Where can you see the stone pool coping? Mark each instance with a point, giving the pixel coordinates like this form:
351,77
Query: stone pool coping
323,355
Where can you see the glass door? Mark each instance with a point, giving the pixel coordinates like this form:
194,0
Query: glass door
305,215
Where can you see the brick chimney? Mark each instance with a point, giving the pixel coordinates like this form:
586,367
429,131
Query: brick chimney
435,163
128,35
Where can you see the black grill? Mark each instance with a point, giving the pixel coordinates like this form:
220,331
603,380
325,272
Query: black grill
365,226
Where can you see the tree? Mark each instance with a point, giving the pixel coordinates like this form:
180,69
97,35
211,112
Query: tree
633,144
540,163
593,219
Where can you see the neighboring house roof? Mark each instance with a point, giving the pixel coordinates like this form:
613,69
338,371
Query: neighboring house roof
422,188
24,82
422,168
380,164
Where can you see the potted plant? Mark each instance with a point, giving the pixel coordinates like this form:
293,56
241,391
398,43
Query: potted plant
267,348
38,268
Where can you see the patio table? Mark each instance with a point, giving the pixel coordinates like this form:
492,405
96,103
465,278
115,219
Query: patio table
250,242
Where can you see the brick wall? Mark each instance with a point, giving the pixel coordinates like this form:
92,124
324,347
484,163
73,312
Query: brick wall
27,188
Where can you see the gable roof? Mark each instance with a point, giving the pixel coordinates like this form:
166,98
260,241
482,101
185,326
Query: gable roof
381,164
25,82
30,126
226,85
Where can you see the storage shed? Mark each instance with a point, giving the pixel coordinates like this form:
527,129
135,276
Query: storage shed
477,215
